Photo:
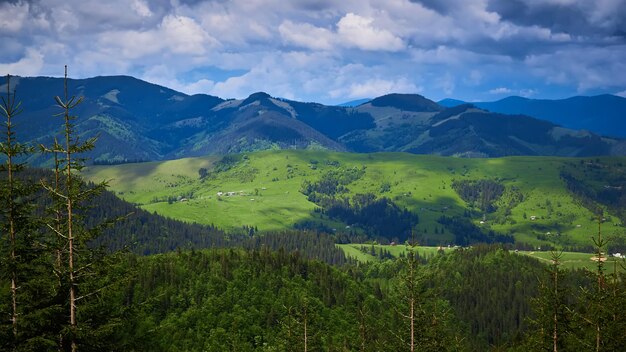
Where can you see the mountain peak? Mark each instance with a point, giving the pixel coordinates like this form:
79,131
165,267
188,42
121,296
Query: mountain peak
256,96
408,102
450,103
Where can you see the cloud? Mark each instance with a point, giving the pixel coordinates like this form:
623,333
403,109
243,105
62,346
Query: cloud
13,16
500,90
175,34
375,87
306,35
621,94
182,35
326,50
29,65
585,69
165,76
359,32
526,93
141,8
575,17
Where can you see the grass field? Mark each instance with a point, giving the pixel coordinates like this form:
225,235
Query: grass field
267,184
575,260
353,250
569,260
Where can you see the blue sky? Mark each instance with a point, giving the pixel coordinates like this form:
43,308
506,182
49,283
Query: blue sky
327,51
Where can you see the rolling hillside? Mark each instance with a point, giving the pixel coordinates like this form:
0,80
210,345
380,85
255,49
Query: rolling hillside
264,190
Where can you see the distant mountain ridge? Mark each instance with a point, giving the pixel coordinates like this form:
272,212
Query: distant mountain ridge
602,114
140,121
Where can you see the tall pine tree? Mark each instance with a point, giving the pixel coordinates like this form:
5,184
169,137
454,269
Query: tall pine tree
24,263
82,270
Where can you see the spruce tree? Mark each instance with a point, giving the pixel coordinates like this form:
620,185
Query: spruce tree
24,262
551,324
82,270
408,291
593,314
11,150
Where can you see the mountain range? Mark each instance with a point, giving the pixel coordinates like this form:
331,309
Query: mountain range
140,121
603,114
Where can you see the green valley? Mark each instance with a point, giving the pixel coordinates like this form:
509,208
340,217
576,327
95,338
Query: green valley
264,190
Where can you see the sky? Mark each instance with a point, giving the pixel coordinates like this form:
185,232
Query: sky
327,51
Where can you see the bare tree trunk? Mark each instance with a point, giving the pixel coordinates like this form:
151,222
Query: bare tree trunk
412,324
599,244
362,328
412,308
57,225
305,332
69,205
555,336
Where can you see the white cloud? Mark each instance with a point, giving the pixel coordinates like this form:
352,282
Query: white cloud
141,8
500,90
29,65
165,76
306,35
201,86
527,93
375,87
359,32
13,16
176,34
184,36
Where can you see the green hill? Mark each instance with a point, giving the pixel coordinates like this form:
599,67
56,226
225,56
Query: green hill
264,190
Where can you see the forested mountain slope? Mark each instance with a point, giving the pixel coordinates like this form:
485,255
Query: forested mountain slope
139,121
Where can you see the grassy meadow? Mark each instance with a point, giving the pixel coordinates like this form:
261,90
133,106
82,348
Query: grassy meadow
569,260
266,191
353,250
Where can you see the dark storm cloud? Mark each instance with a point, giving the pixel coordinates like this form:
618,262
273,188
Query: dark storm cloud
576,18
313,5
441,6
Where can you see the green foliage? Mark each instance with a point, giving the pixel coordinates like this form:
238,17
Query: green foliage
259,300
598,183
489,289
479,193
419,183
551,326
203,172
331,183
24,272
580,309
58,282
466,233
380,218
